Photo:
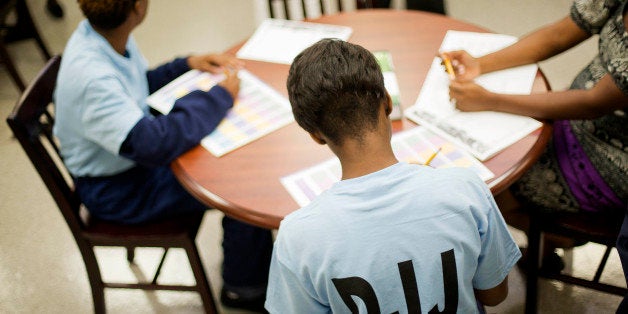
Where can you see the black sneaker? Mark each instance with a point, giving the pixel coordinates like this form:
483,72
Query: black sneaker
234,300
551,264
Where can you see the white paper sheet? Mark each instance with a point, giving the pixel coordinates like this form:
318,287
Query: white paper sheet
279,41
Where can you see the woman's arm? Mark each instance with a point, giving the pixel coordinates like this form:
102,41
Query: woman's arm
539,45
603,98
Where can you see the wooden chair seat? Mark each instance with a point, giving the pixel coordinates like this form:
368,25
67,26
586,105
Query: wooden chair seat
98,228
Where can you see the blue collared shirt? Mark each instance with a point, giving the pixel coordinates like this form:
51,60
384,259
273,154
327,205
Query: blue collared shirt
100,96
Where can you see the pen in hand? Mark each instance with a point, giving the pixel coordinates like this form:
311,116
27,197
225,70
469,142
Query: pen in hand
449,68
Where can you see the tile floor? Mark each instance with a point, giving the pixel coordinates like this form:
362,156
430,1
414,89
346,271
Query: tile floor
41,270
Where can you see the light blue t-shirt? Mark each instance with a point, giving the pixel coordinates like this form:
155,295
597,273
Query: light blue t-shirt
99,97
368,241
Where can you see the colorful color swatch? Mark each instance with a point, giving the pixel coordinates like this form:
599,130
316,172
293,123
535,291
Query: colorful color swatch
415,145
257,111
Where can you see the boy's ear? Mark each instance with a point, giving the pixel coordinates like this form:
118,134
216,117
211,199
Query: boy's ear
136,6
316,136
389,105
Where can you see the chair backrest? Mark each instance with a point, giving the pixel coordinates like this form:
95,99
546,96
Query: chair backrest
31,122
310,9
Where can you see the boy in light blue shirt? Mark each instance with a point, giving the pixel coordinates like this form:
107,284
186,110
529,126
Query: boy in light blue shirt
390,236
119,153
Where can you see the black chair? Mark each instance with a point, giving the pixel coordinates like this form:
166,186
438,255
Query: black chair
597,228
435,6
31,123
23,28
300,9
371,4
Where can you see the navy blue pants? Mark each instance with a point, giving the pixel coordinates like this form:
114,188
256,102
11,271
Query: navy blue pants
148,194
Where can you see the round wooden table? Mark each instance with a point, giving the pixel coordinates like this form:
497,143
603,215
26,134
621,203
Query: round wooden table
245,184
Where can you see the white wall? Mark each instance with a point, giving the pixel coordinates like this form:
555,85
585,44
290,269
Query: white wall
217,25
220,24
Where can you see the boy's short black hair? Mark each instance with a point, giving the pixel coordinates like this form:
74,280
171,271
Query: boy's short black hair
336,88
106,14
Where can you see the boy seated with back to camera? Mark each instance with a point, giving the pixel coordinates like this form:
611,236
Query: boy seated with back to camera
390,236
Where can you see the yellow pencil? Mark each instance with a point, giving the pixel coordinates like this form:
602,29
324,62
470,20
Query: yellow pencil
427,162
449,68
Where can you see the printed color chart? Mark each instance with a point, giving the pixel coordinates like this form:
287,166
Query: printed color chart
416,145
257,111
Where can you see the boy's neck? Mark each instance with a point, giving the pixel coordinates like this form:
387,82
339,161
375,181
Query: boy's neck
117,37
118,42
358,159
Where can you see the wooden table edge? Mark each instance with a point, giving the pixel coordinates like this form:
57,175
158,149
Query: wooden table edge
217,202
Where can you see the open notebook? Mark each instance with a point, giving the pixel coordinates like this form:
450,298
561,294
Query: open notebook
482,133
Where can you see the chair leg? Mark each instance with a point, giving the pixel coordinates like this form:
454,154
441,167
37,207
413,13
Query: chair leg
202,283
95,279
35,34
600,268
26,28
532,266
161,264
42,46
6,59
130,254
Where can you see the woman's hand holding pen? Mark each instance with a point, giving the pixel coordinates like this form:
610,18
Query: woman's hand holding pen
463,92
465,66
215,63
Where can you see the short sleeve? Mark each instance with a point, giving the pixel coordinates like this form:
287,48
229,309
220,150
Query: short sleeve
287,291
109,113
499,252
591,15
